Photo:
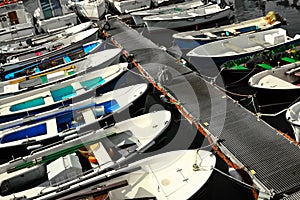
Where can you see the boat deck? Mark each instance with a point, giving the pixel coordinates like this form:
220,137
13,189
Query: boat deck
272,160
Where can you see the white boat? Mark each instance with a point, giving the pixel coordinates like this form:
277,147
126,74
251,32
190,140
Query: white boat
43,38
128,6
278,86
168,176
292,115
89,9
52,16
15,21
138,15
65,121
243,45
189,17
192,39
56,43
60,94
59,73
110,146
174,173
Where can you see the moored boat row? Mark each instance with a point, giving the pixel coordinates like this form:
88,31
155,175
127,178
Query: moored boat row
75,101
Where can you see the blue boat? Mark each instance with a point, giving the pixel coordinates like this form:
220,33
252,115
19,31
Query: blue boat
110,146
65,121
62,94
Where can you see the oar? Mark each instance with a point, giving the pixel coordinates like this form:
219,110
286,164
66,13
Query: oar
40,75
57,154
81,183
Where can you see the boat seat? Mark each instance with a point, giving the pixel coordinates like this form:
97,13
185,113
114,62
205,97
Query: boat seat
51,127
88,116
271,81
102,155
239,67
233,47
260,42
30,83
11,88
289,60
48,100
265,66
78,88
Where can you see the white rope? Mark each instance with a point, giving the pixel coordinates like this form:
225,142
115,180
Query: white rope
241,182
213,78
274,114
136,73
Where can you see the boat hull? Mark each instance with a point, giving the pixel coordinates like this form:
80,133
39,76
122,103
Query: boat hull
291,116
192,39
275,99
57,23
127,6
179,23
93,10
220,59
21,64
238,77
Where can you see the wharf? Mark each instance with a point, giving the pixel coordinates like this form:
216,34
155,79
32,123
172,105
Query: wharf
271,160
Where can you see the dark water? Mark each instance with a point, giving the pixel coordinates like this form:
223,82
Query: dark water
220,187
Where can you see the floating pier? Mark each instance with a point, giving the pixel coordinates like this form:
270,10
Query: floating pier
271,159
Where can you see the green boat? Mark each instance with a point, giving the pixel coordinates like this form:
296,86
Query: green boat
238,71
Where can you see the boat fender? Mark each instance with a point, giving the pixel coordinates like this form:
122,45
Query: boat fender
3,60
164,76
105,26
29,42
5,188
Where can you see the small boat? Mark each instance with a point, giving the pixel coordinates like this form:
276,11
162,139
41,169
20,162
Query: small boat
50,37
192,39
60,94
111,145
55,59
92,10
189,17
46,37
128,6
179,7
243,45
15,21
292,115
59,73
238,71
65,121
53,16
278,86
65,40
180,174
